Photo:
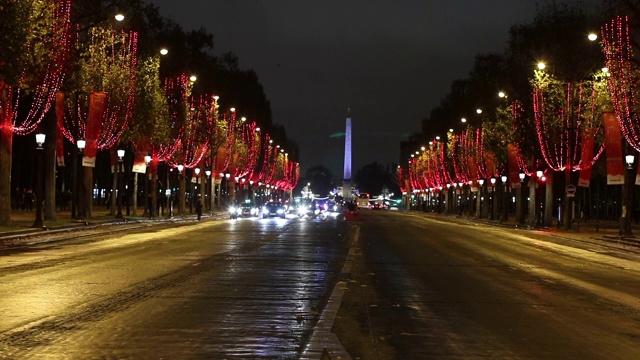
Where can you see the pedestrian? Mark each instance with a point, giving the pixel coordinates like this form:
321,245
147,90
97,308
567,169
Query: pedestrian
199,207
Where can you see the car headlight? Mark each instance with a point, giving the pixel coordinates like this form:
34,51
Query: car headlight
280,211
232,209
265,211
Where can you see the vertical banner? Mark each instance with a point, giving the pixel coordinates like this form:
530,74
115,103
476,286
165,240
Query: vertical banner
97,102
585,157
60,125
139,166
613,142
514,178
638,176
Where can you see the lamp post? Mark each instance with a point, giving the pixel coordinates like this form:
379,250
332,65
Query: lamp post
120,192
251,197
234,198
521,207
227,176
147,189
627,196
505,195
39,191
181,190
76,201
480,198
208,180
198,191
493,186
538,200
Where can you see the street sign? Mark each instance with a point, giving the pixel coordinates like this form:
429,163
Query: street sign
571,189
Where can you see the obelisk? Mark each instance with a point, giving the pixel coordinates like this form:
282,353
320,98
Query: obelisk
346,179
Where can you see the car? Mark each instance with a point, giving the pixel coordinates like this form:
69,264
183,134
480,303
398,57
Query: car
274,209
244,209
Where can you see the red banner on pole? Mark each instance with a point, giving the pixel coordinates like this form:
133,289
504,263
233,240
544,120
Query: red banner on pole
60,125
97,101
613,142
585,157
514,171
139,165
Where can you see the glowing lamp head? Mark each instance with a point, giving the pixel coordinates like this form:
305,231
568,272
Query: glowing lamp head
539,173
180,168
81,144
119,17
40,139
592,37
147,159
504,179
193,78
164,51
120,153
521,176
629,159
541,66
197,171
481,182
207,172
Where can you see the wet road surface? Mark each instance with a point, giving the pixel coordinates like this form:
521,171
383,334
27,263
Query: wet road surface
422,288
246,288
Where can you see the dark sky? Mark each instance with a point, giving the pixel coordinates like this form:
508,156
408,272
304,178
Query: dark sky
389,61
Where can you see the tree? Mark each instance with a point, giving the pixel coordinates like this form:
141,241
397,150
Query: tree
321,180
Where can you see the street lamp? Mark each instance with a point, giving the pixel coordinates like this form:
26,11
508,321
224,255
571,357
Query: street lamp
493,185
39,190
198,188
625,225
227,176
208,179
504,197
147,190
181,190
76,209
480,197
120,190
538,204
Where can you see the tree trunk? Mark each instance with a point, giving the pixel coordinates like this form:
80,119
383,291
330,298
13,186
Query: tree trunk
114,192
87,190
134,196
50,144
532,201
6,144
548,201
182,194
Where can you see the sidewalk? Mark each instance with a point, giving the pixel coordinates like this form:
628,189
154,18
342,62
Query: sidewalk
22,221
601,230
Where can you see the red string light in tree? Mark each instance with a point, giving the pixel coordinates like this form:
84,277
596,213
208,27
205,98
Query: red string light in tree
56,42
625,77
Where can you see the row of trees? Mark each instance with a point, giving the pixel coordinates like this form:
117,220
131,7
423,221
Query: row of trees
70,70
548,118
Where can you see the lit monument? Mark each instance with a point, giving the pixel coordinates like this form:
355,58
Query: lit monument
346,179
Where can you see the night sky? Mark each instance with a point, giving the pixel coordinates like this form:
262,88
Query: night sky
390,62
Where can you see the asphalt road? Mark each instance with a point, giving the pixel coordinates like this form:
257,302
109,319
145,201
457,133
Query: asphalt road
422,288
414,287
246,288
